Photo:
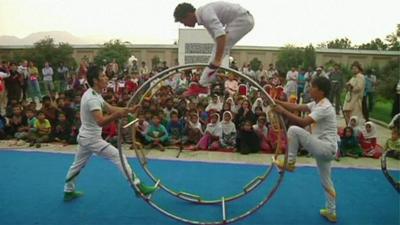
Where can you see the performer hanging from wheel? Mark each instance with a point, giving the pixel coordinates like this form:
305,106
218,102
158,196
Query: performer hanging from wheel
321,143
89,138
227,23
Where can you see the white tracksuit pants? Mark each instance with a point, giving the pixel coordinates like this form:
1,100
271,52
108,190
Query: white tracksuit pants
86,148
323,152
235,31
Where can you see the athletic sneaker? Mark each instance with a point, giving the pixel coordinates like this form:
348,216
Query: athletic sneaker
208,75
290,167
328,215
146,190
195,90
69,196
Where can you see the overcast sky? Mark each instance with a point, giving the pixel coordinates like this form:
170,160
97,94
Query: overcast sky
277,22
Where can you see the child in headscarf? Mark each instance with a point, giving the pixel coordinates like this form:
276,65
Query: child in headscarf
194,130
368,141
247,141
261,130
228,139
212,134
214,104
349,145
354,124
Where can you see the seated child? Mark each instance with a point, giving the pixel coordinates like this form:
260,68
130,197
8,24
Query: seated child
41,132
157,135
392,145
368,141
228,139
193,128
175,128
247,140
349,145
276,136
141,127
62,130
261,130
354,124
212,134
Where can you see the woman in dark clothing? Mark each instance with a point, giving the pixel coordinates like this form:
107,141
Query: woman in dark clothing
248,140
245,114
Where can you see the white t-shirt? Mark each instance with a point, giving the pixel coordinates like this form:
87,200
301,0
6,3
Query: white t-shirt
216,15
325,126
91,101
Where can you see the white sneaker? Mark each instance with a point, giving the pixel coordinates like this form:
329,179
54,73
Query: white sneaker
208,76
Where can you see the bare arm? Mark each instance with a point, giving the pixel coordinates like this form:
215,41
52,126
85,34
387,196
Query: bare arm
293,107
114,114
303,122
221,42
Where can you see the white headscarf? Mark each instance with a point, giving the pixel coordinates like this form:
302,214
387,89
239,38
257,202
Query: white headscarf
255,104
232,104
214,129
227,126
195,125
216,106
372,133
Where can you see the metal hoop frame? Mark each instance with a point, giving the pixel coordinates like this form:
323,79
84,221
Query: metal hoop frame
390,178
140,94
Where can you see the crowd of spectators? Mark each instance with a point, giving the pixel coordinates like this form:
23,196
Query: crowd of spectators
43,106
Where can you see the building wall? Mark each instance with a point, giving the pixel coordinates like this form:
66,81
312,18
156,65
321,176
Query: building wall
241,54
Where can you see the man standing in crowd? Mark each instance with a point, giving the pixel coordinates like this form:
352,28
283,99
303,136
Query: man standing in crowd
336,78
47,72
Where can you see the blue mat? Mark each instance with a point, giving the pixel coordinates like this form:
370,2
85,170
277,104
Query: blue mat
32,183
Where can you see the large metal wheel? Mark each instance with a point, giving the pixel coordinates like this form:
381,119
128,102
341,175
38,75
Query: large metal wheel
146,90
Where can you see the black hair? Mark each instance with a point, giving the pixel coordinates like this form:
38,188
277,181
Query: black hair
46,98
182,10
348,129
173,113
93,73
323,84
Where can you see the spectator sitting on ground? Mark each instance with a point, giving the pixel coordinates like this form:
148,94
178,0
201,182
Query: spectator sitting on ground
228,139
194,130
392,145
41,132
349,145
247,140
354,124
175,129
212,135
262,131
62,130
157,135
368,141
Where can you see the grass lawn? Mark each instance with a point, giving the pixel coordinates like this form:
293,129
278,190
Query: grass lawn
382,110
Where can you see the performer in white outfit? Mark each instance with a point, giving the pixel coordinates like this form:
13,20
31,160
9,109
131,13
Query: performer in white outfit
226,22
89,139
321,142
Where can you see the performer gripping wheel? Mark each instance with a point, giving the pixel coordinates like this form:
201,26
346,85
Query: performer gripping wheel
321,143
89,139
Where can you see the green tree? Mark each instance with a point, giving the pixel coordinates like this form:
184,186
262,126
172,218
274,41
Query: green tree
155,62
288,57
46,50
394,40
342,43
309,56
114,49
255,64
376,44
